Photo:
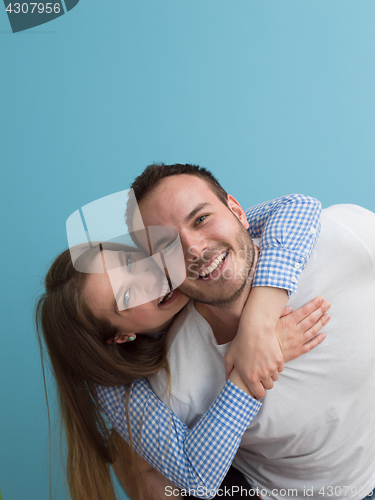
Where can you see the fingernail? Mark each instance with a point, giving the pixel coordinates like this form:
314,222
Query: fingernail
321,300
327,304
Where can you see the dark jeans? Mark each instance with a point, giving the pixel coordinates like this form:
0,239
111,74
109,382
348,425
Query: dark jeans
235,480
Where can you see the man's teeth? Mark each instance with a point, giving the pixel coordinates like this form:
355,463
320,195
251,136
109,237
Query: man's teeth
213,265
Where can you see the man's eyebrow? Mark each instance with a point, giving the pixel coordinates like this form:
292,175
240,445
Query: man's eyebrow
195,211
167,239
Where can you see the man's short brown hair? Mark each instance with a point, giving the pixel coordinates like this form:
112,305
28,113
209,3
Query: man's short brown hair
153,174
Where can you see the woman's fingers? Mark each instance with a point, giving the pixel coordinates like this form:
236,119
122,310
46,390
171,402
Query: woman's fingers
268,384
304,311
311,332
299,330
310,320
258,390
287,310
313,343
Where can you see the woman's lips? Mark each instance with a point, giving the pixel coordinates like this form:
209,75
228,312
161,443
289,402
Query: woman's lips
169,301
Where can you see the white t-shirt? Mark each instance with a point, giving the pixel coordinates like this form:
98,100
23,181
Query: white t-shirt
317,425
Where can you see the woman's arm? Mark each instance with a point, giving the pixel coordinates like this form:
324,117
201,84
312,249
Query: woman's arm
155,485
200,457
196,458
288,228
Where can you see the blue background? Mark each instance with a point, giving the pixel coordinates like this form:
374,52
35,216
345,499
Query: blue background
275,97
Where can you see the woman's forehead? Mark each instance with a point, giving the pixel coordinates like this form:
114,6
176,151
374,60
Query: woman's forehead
107,259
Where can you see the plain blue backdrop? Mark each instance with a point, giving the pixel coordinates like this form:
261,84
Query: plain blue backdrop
275,97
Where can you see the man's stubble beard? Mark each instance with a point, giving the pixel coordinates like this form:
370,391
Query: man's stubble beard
246,246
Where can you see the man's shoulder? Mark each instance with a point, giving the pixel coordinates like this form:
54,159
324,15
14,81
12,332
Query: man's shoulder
350,213
353,219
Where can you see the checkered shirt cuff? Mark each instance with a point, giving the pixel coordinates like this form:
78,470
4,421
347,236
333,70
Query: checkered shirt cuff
288,228
280,268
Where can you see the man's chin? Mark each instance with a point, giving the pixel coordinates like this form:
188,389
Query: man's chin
219,296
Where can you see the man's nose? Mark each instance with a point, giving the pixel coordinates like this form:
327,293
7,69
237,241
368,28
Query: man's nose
193,245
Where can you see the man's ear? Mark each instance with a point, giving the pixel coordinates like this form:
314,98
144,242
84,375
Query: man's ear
238,211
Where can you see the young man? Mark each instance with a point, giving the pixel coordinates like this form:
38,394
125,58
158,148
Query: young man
320,441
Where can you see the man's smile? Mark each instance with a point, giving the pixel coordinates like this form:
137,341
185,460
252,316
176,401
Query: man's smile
213,268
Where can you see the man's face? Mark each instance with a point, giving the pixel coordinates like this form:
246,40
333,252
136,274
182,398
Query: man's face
218,250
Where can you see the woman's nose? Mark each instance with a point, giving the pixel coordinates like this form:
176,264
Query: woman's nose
149,281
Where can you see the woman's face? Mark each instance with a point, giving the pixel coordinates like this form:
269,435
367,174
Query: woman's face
132,293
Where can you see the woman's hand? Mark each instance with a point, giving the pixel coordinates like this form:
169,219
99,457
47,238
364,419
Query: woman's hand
297,331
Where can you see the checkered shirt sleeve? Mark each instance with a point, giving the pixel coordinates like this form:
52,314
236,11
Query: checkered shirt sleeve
288,229
198,458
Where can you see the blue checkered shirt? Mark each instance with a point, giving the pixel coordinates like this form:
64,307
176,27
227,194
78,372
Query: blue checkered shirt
288,228
196,459
199,458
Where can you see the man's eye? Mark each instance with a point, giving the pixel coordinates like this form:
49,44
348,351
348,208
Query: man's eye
127,298
200,219
129,262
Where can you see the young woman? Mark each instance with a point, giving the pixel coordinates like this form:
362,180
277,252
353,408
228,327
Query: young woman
86,362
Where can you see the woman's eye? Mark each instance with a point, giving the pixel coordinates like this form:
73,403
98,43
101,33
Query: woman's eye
127,298
200,219
129,262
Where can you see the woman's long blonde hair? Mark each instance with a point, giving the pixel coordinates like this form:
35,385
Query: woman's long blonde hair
76,343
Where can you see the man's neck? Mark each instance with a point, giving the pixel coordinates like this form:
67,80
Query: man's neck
223,320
